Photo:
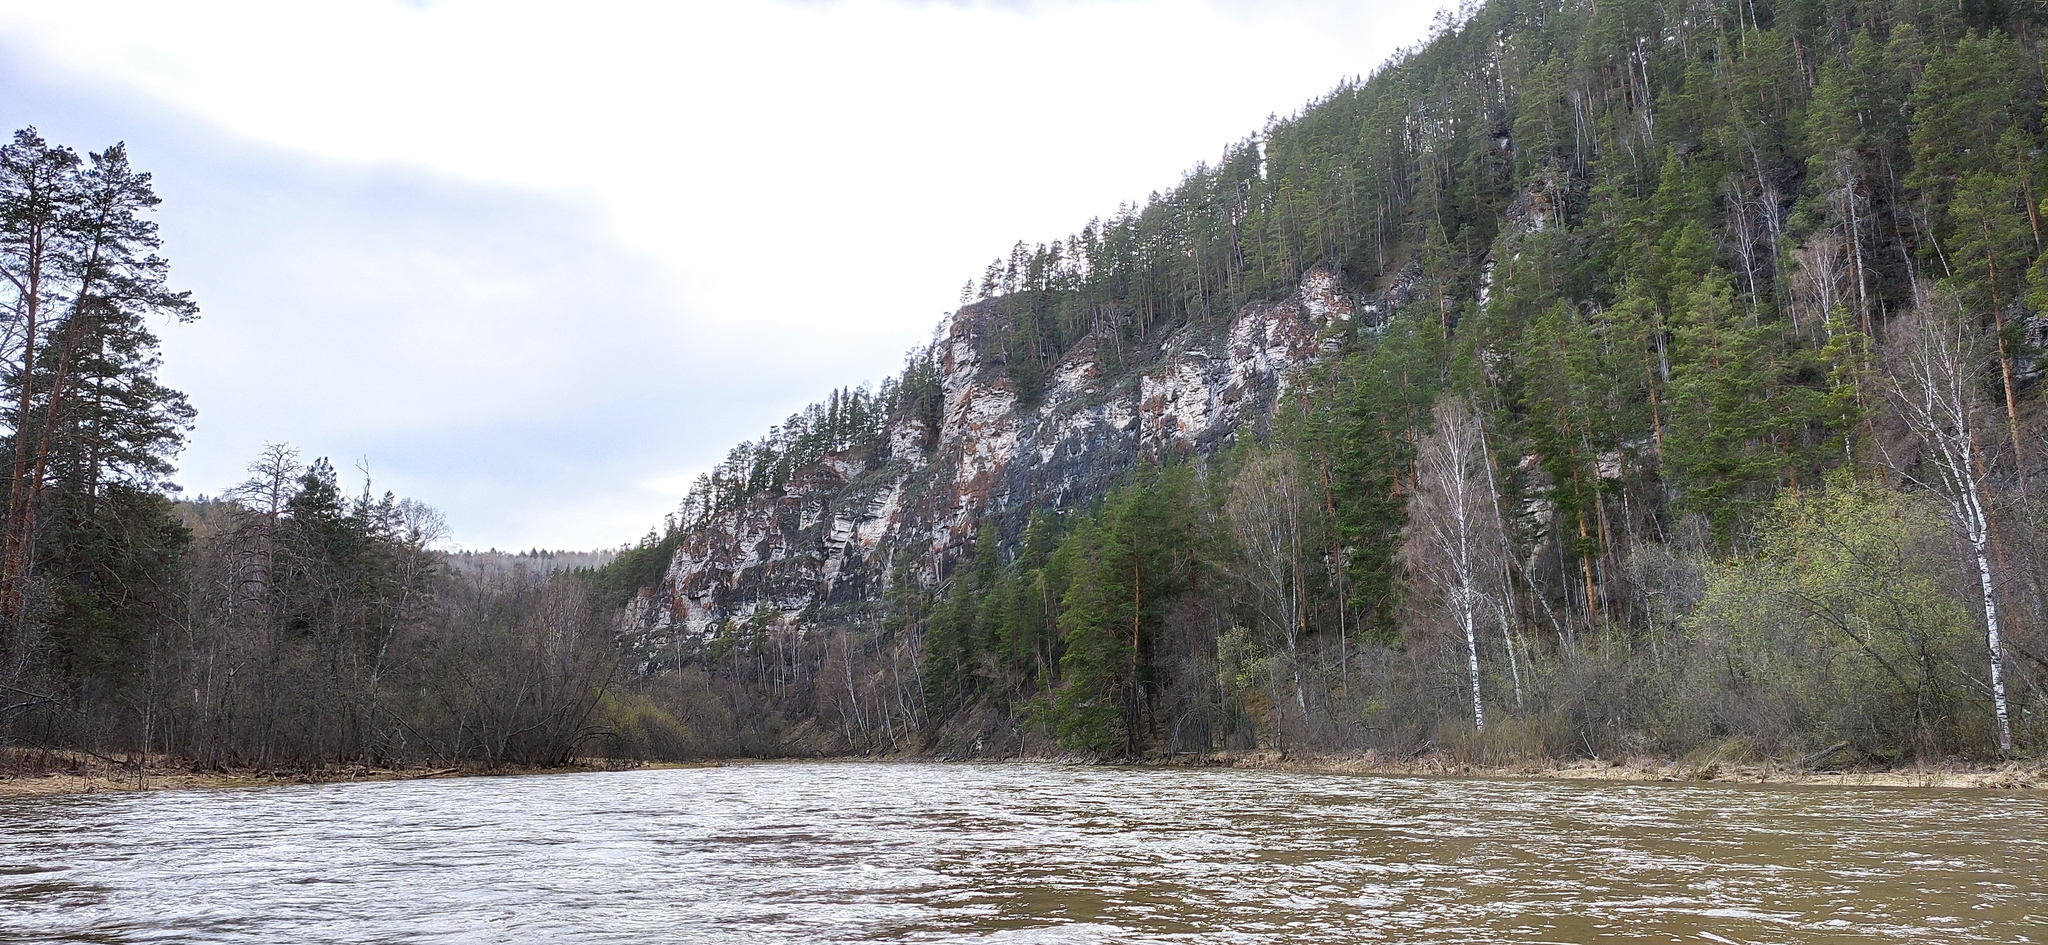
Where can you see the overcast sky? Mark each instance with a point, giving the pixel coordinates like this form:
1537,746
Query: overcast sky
539,264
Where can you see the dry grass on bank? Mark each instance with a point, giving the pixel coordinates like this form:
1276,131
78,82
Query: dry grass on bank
29,773
1699,767
35,773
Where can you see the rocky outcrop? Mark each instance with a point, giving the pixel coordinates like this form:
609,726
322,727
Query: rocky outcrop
845,527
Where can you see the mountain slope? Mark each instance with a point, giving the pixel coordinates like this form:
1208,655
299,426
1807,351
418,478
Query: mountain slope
1593,378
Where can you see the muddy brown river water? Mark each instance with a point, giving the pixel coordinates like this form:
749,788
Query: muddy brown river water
857,852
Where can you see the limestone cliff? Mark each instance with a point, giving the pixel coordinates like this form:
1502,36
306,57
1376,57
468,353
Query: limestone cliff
833,538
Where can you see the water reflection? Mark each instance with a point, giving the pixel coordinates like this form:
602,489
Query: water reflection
840,852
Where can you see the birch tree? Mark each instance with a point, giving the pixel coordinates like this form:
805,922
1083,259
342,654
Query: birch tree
1266,514
1934,368
1456,542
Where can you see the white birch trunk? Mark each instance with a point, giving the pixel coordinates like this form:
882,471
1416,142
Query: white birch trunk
1980,533
1931,383
1507,636
1472,661
1506,598
1455,540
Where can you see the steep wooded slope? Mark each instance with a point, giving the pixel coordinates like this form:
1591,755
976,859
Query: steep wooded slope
1580,325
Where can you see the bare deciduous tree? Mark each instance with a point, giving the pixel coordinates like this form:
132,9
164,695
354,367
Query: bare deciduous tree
1267,519
1455,543
1934,365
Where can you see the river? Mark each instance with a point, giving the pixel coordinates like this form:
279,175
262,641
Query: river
860,852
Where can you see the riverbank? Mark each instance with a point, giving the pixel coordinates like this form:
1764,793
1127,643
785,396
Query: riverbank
1705,768
34,774
25,773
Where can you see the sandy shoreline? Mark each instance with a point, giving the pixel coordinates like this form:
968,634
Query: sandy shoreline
72,773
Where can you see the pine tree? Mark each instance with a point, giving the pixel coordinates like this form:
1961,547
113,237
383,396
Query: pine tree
88,414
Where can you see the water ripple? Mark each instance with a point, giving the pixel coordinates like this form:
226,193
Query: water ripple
853,852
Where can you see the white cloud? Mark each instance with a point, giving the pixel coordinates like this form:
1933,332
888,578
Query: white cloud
803,185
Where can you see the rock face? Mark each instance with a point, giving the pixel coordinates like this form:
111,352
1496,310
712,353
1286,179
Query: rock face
845,527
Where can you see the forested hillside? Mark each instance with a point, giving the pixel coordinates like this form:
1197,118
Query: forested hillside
1693,397
1640,376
